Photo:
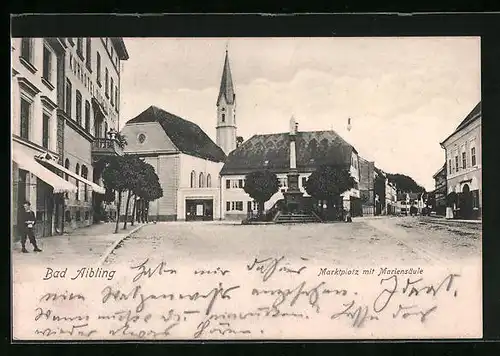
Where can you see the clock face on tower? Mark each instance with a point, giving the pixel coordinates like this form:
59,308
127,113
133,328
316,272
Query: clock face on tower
141,138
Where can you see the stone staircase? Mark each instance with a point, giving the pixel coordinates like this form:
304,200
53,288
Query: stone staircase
296,218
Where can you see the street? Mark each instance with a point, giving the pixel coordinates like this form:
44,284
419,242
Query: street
395,240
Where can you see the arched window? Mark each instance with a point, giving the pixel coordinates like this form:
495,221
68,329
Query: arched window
85,174
209,181
201,181
193,179
77,170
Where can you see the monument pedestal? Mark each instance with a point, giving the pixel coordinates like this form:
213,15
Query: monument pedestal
293,196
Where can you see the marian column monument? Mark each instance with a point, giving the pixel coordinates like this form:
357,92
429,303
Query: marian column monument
293,196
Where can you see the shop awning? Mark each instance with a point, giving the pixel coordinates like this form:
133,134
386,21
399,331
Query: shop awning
95,187
28,163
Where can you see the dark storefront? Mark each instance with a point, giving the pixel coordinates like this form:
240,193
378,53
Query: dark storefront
199,209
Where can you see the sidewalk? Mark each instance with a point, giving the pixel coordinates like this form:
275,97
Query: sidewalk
85,245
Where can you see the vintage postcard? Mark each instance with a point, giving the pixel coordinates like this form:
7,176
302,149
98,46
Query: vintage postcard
246,188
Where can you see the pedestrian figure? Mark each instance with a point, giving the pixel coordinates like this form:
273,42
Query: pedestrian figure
348,216
29,225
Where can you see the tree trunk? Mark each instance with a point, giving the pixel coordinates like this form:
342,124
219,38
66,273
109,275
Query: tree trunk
118,208
126,210
133,211
261,209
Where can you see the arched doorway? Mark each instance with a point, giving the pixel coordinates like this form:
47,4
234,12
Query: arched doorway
466,202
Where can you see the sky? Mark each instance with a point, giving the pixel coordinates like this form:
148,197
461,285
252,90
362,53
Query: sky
404,95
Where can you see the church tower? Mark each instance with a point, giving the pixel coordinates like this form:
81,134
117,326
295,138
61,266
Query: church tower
226,111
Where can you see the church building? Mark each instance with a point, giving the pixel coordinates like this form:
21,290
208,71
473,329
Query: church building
185,159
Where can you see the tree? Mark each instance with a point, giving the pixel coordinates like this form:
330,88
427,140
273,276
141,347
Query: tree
261,186
405,184
115,177
148,189
135,180
328,183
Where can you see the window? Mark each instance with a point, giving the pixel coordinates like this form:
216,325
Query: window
27,49
66,165
85,173
47,64
228,183
464,160
66,176
193,179
223,117
116,98
234,206
209,181
201,182
68,97
106,83
77,171
98,65
240,183
25,119
79,47
112,92
234,183
456,163
79,107
87,116
473,156
449,164
45,131
282,182
88,56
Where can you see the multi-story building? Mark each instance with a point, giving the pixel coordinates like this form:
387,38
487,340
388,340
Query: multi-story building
440,191
391,198
80,116
90,118
463,161
36,84
272,152
366,186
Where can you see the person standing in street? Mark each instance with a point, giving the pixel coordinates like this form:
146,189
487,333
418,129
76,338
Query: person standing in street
29,225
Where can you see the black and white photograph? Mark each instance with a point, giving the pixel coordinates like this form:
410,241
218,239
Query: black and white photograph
246,188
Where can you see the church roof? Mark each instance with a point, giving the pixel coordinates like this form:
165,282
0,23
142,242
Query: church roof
473,115
272,151
226,84
188,137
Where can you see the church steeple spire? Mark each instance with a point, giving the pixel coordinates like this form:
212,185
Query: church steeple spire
226,110
226,85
